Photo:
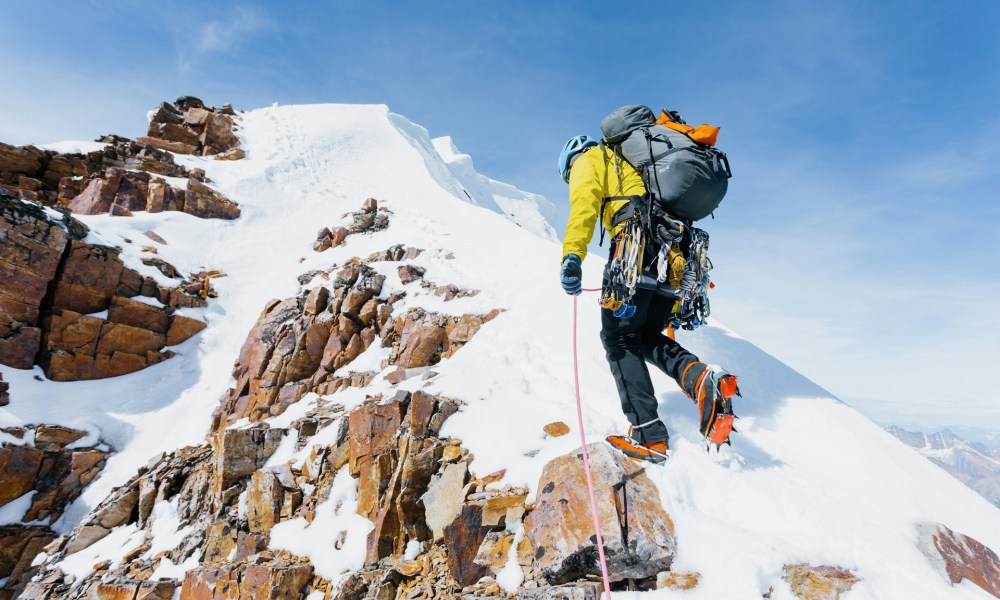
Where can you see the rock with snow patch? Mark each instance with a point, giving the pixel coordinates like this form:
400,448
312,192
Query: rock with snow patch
191,128
31,249
277,580
824,582
559,532
19,545
956,556
53,281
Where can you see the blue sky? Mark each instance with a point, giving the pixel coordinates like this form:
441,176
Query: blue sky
858,242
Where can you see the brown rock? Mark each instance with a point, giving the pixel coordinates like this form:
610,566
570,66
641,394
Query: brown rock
182,328
156,590
18,547
463,537
259,582
4,391
171,146
372,430
264,499
89,279
560,529
410,273
30,253
221,542
138,314
338,236
240,452
957,557
317,300
818,583
54,437
117,512
493,553
126,339
670,580
423,346
84,537
556,429
98,196
19,466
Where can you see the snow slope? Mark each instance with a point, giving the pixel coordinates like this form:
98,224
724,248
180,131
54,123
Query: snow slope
808,479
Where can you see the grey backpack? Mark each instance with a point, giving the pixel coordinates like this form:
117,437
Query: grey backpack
688,178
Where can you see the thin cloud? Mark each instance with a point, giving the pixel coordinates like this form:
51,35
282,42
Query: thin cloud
222,35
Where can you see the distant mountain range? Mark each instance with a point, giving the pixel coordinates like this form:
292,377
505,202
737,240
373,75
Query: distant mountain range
973,463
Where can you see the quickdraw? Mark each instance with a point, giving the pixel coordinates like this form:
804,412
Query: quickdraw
625,269
693,308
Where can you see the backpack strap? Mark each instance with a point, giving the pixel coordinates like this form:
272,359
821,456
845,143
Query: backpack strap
615,219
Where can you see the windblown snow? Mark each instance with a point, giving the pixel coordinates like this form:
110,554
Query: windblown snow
808,479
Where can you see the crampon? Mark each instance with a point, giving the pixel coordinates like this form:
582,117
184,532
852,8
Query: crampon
717,419
653,452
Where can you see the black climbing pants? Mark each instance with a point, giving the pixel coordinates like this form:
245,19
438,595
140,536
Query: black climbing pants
630,344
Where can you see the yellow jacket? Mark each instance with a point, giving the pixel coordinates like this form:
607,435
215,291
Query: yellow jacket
592,179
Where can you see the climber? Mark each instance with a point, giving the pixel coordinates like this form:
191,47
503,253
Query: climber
600,185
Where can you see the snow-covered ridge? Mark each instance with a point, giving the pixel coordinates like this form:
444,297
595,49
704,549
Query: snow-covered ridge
808,479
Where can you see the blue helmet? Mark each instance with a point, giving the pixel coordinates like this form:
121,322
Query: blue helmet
574,146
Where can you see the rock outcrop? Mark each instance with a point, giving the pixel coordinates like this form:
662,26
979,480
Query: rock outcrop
123,177
189,126
304,344
368,219
45,464
52,285
559,541
957,557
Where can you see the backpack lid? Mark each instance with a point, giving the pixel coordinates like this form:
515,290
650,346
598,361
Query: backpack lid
623,121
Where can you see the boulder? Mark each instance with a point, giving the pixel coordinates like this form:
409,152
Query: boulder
638,534
956,556
824,582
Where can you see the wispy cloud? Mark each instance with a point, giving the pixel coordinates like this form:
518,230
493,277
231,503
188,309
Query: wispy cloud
226,34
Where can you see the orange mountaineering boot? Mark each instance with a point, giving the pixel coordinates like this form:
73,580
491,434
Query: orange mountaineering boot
654,452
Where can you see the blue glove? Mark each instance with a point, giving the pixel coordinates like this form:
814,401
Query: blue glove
570,275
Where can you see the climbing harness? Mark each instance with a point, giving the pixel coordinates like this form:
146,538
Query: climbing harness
692,307
586,458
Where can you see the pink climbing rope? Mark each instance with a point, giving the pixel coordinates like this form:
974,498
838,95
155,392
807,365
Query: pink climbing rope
586,457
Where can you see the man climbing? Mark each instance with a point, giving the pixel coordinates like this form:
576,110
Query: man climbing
602,184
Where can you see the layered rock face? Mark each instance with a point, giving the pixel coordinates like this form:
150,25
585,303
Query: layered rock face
41,473
189,126
959,557
52,285
123,177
